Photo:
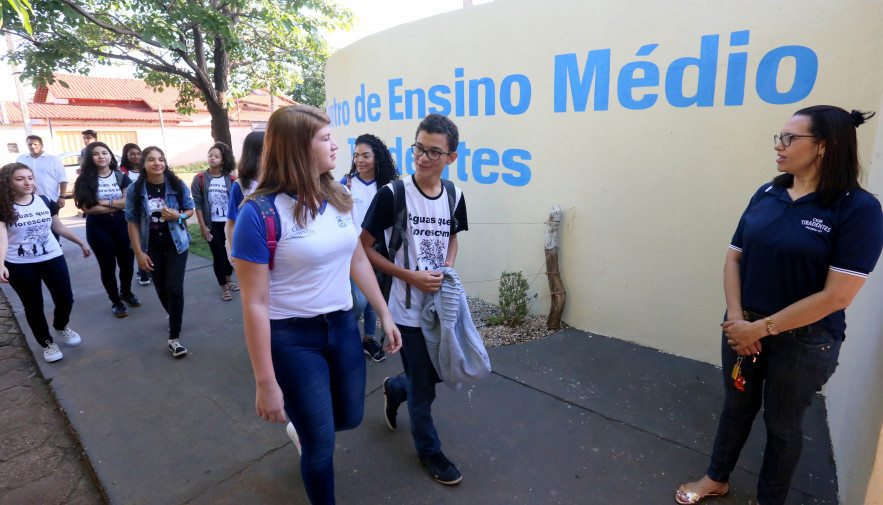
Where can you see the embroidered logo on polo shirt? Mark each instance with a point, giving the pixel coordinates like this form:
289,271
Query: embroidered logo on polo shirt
341,222
816,225
299,232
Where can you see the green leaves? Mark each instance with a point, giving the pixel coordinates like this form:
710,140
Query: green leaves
513,298
204,50
21,8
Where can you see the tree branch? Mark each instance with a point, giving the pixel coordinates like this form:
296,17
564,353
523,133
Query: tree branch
109,27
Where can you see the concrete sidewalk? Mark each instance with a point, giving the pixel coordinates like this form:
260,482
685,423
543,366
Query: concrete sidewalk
574,418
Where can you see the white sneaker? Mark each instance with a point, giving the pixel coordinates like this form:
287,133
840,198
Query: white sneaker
51,352
292,434
176,348
69,336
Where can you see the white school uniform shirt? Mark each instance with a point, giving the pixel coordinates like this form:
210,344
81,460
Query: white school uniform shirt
311,266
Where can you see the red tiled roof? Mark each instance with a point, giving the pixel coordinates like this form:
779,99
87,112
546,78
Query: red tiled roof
125,112
130,100
81,88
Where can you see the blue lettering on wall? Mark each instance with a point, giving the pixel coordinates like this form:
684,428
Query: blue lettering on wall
523,94
627,81
639,85
707,65
572,84
805,72
736,65
484,163
597,70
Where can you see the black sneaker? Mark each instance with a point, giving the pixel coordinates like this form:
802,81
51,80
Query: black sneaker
119,310
131,300
176,348
144,278
373,350
390,407
441,469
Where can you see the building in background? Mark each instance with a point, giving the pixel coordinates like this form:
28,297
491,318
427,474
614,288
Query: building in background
123,111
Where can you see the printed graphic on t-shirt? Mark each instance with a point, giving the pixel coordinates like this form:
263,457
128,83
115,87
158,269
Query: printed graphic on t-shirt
30,237
217,194
155,201
108,189
431,236
36,232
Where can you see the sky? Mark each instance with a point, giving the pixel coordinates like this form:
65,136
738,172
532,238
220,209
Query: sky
372,16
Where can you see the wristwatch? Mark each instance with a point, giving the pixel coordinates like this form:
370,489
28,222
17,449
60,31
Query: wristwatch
771,326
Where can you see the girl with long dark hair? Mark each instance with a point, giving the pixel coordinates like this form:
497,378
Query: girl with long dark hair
100,192
155,210
211,195
372,168
30,256
299,327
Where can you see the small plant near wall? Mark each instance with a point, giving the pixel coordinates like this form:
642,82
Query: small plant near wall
513,299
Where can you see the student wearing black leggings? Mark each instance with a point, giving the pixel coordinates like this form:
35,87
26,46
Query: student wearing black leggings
30,256
155,210
100,192
211,193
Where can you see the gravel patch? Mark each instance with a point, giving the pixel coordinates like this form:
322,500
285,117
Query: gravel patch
532,328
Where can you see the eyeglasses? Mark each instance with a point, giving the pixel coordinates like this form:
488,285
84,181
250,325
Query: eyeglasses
431,154
366,156
787,138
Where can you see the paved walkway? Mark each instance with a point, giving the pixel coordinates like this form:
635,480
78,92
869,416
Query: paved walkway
574,418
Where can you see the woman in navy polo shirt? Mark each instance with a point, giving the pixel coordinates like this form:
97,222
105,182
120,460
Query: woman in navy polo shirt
802,250
296,302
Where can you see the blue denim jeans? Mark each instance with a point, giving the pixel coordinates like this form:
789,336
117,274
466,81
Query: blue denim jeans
319,367
361,308
792,368
417,387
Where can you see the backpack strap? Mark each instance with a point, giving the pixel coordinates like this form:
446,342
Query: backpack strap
452,199
271,220
399,236
200,177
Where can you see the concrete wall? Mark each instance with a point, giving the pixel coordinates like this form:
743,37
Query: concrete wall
652,175
855,405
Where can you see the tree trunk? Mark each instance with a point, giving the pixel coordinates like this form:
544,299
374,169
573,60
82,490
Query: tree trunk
556,285
220,120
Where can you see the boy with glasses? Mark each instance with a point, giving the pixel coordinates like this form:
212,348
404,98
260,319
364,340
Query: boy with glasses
432,244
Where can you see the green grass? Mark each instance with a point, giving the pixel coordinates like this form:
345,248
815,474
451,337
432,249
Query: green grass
198,245
192,168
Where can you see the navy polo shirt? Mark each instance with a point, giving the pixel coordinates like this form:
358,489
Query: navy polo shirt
788,247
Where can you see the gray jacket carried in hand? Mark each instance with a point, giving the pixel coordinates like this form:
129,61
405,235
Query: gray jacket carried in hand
453,342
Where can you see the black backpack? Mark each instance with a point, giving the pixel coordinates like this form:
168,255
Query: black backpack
399,236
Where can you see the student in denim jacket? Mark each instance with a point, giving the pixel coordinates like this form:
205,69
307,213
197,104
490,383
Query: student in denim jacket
156,208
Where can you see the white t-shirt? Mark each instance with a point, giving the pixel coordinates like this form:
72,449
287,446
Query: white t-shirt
30,237
134,175
429,230
217,195
108,189
311,267
363,193
48,173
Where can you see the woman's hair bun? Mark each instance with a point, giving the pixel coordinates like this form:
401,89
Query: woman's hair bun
859,117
